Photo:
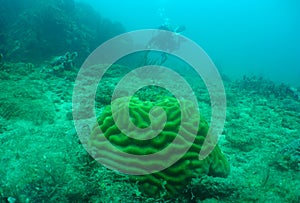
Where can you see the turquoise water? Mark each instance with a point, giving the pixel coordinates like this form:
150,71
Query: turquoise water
54,149
242,37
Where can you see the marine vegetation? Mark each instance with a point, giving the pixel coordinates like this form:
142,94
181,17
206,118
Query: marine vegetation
32,31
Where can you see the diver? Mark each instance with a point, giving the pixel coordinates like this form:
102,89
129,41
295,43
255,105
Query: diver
169,27
168,41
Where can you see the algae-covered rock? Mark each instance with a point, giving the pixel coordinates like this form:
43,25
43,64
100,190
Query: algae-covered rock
23,101
289,156
173,179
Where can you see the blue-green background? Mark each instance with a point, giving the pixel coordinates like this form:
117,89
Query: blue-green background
241,36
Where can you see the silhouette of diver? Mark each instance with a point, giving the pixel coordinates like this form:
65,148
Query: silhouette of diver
166,39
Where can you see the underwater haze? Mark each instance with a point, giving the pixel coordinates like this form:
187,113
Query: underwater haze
242,37
92,112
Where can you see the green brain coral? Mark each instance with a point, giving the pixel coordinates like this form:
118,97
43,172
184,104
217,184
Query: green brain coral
173,179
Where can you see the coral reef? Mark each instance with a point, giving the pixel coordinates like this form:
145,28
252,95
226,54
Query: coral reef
174,179
289,156
24,99
38,30
262,86
42,159
65,62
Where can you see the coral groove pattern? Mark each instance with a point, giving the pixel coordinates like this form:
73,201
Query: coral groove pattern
176,177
